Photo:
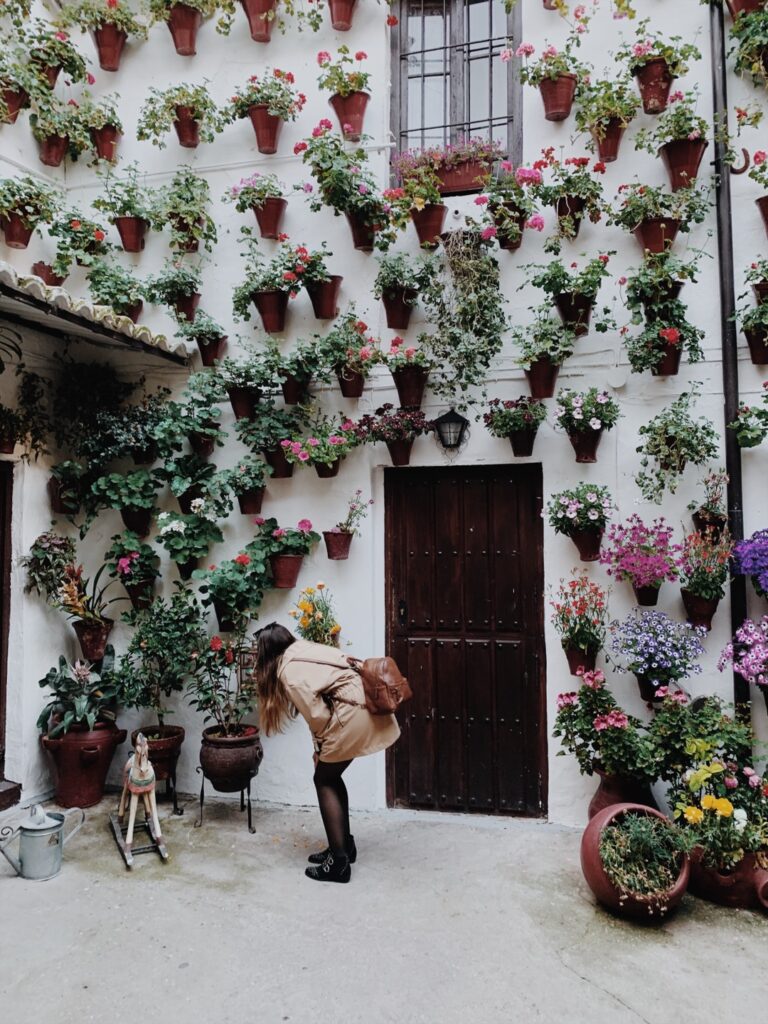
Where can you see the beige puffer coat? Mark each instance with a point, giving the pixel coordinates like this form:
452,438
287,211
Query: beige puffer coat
340,731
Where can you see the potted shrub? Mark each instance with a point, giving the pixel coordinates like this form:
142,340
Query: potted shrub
679,138
59,130
574,190
266,432
350,352
114,286
78,728
177,286
642,554
670,441
517,419
187,538
235,588
248,480
508,200
315,616
584,416
460,167
338,540
711,514
655,61
102,121
556,74
285,548
24,204
265,195
207,334
183,21
135,564
269,283
399,281
704,572
184,206
51,51
658,650
574,291
329,441
543,346
349,97
79,240
750,558
397,428
747,652
130,206
604,109
655,216
322,287
581,513
186,108
579,614
268,101
410,368
110,21
132,494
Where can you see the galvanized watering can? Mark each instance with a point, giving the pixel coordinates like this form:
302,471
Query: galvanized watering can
41,841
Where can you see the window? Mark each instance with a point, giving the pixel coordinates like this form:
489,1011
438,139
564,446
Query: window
448,81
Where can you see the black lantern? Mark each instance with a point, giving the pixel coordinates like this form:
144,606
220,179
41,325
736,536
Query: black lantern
451,428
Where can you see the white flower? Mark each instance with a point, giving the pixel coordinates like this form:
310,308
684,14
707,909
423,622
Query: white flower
595,423
578,414
602,398
739,819
571,513
592,514
591,496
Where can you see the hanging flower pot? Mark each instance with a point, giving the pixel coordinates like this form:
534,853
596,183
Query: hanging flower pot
744,6
324,296
699,610
669,364
93,635
59,505
213,351
53,149
15,101
50,73
81,758
250,501
17,233
363,233
243,401
400,451
272,307
187,568
325,472
654,81
110,42
260,24
588,543
703,521
682,158
186,305
45,272
184,22
760,288
138,520
542,376
573,207
187,128
657,233
522,442
342,12
398,306
429,223
285,570
134,311
464,176
141,594
202,445
186,498
503,237
585,444
619,789
579,659
351,382
557,94
575,310
132,231
350,110
757,340
145,455
282,469
293,389
410,382
266,126
647,688
337,544
647,596
270,216
224,617
105,142
609,140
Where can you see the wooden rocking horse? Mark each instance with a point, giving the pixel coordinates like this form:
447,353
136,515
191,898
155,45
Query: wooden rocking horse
138,781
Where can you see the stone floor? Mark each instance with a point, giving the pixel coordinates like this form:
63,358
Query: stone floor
447,919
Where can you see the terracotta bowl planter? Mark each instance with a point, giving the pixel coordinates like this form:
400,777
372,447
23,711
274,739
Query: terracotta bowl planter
213,351
542,377
350,110
669,364
272,307
269,216
460,178
230,762
682,158
575,310
141,594
654,80
410,382
285,570
757,340
324,296
522,442
398,306
15,101
132,231
578,659
429,224
110,42
657,234
337,544
326,472
557,94
282,469
573,207
243,401
588,543
187,128
609,141
342,13
17,233
606,893
105,141
363,234
45,272
400,452
93,637
585,443
186,305
699,611
81,759
53,149
266,126
183,23
648,596
351,382
250,501
619,789
260,24
164,747
744,886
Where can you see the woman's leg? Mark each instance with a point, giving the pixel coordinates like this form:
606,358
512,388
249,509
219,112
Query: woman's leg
333,801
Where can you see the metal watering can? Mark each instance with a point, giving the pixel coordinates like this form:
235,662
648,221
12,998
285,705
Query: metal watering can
41,842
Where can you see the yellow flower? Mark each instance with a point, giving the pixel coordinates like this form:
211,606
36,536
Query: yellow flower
304,621
693,815
419,203
335,629
709,802
723,807
306,606
309,591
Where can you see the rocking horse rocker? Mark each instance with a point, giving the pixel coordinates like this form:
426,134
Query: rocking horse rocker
139,781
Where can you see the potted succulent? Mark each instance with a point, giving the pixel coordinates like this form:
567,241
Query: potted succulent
711,514
51,51
130,206
397,428
750,558
102,121
574,291
114,286
642,554
135,564
132,494
679,138
517,419
110,21
235,588
604,109
186,108
410,368
508,200
399,281
206,333
59,130
543,346
338,540
177,286
655,216
266,432
704,571
25,203
187,538
347,83
248,480
655,61
556,74
265,195
581,513
747,652
268,101
584,416
269,283
80,240
460,167
183,21
184,206
315,616
350,352
579,614
574,190
329,441
658,650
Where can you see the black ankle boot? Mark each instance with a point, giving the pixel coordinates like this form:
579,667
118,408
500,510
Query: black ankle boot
318,858
335,868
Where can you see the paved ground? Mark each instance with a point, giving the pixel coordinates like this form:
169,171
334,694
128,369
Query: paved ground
446,920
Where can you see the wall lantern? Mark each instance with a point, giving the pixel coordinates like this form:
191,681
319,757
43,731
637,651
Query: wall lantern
451,428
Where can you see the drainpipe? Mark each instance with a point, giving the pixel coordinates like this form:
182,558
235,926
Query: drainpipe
730,363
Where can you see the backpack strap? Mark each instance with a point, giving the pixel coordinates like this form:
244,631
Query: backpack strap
353,664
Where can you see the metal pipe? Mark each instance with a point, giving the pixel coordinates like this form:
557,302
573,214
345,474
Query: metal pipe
730,362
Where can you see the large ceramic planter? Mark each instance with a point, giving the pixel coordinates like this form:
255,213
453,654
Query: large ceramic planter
350,111
699,610
324,296
293,389
619,789
282,469
186,306
542,377
588,543
608,140
16,231
81,759
210,353
269,216
141,594
53,149
15,100
410,382
654,80
183,23
757,340
363,233
557,94
400,451
93,635
460,177
646,596
571,207
259,21
272,307
187,128
585,444
578,660
266,126
522,442
745,885
138,520
243,401
164,744
105,142
398,306
657,233
132,231
669,363
575,310
110,42
351,382
429,223
285,570
607,894
337,544
342,12
250,501
682,158
325,472
45,272
230,762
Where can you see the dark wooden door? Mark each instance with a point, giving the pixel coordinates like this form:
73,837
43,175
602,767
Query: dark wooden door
6,479
465,622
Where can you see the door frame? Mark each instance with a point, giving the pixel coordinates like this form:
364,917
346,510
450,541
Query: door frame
6,504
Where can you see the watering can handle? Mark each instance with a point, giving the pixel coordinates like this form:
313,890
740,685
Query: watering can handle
7,835
77,827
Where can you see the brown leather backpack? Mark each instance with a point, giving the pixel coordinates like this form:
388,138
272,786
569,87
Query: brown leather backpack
384,685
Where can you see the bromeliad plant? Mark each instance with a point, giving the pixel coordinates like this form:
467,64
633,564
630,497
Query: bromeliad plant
591,410
574,189
161,110
642,554
80,696
584,507
656,648
580,613
273,90
315,618
183,205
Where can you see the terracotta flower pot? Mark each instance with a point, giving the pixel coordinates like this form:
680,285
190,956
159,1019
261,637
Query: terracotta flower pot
588,543
682,158
503,237
17,233
410,382
293,389
110,42
522,442
575,310
186,305
619,789
557,94
654,80
460,177
542,377
398,306
699,610
224,617
325,472
213,351
573,207
762,205
132,231
81,759
744,6
243,401
429,223
184,22
230,762
250,501
50,72
164,744
105,142
201,444
141,594
187,128
657,233
45,272
578,659
15,100
138,520
53,149
745,885
760,288
757,340
186,498
623,904
269,216
260,24
93,635
285,570
134,311
187,568
272,307
59,505
266,126
363,233
324,296
282,469
350,111
647,596
337,544
400,451
342,12
609,140
669,364
351,382
585,443
704,521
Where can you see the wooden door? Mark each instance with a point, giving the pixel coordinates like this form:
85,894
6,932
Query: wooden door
6,478
464,557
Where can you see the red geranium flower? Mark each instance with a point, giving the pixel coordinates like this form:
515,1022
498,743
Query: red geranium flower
670,334
216,643
243,559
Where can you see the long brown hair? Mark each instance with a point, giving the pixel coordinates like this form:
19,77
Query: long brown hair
274,706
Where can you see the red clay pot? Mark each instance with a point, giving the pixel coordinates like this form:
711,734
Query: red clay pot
81,759
186,305
260,25
270,216
132,231
187,568
53,150
619,789
669,364
105,142
285,570
575,311
50,72
324,296
213,351
410,382
757,339
243,401
363,233
293,389
110,41
326,472
607,894
745,885
141,594
230,762
573,207
59,506
337,544
341,12
45,272
704,521
744,6
134,311
588,542
429,223
608,145
647,596
16,100
522,442
557,94
761,291
266,126
187,128
350,111
250,501
504,240
585,443
578,659
400,452
184,22
138,520
460,178
164,742
351,382
657,234
542,377
282,469
202,445
654,81
17,234
398,306
272,307
93,636
699,610
682,158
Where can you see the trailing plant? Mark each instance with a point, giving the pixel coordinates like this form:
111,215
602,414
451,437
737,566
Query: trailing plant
652,645
580,613
390,424
357,510
504,418
81,696
546,338
645,555
31,200
679,121
603,102
89,14
113,285
81,395
574,189
252,192
336,78
49,47
315,617
131,560
273,90
749,39
125,196
650,46
175,281
584,507
157,115
593,409
183,205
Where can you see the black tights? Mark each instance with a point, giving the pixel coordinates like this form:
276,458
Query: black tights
334,802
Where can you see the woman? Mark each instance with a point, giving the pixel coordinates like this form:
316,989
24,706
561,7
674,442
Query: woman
298,677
